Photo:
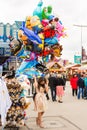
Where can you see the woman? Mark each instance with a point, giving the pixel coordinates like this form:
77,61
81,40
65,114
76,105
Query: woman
73,82
40,100
59,87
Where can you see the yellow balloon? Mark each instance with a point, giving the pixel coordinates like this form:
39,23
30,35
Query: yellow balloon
42,38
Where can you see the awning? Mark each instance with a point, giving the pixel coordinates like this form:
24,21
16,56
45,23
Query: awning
83,67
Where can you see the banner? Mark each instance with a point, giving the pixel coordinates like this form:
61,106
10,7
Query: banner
77,59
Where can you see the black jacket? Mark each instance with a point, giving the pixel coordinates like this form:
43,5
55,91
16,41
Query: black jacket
52,82
80,83
60,82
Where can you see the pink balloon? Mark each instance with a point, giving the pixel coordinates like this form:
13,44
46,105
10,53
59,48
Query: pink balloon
45,22
59,27
31,57
60,30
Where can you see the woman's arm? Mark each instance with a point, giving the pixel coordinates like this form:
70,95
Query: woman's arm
47,85
35,84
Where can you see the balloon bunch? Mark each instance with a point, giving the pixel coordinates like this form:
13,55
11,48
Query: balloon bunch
17,91
38,41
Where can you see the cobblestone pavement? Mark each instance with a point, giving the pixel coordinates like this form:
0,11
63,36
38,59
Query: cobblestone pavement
52,123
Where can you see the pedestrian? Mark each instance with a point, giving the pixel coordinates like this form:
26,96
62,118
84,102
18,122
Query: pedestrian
60,88
52,85
64,78
85,89
81,86
73,83
40,100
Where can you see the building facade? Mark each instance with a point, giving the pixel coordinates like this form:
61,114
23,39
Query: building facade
7,30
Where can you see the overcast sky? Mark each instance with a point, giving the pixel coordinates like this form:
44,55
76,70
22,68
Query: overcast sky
70,12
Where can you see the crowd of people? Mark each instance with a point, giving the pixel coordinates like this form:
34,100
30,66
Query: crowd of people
78,84
57,84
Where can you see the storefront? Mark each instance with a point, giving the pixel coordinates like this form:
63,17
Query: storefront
70,69
55,67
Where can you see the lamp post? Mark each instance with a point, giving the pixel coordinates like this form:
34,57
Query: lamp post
81,26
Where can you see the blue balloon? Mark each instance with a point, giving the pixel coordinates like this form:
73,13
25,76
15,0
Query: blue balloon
21,52
38,10
31,35
46,58
51,17
25,65
51,41
32,73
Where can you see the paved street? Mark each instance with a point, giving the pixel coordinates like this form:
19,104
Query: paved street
69,115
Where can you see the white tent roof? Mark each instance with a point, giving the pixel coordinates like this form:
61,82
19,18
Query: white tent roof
83,67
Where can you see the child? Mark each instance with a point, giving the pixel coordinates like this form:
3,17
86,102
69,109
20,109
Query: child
40,101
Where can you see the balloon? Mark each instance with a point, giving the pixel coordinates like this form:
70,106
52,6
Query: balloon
23,37
45,22
51,17
49,33
26,65
15,45
36,29
60,30
37,49
27,55
49,12
51,41
49,9
31,73
59,27
30,57
38,10
28,24
40,35
21,52
34,23
41,67
57,48
31,35
45,52
46,58
46,12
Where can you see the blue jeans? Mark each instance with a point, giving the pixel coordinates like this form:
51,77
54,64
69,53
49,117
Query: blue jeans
80,92
85,92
